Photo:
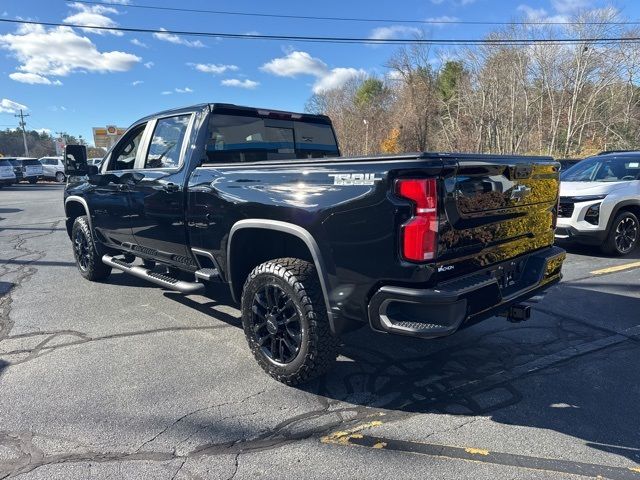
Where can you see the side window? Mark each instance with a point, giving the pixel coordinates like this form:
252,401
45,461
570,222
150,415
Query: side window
123,156
166,143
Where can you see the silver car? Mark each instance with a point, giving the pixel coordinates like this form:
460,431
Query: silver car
7,177
53,168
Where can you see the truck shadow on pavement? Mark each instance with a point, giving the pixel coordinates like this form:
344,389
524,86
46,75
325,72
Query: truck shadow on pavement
557,372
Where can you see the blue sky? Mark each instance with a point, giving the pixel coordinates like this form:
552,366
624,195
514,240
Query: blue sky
73,80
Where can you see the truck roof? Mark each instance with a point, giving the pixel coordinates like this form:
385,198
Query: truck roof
231,108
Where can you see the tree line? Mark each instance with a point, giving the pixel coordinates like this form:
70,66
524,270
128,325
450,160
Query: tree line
564,100
40,143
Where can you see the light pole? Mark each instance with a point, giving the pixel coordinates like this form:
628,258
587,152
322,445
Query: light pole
366,136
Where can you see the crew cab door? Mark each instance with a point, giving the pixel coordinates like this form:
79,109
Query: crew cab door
109,197
158,198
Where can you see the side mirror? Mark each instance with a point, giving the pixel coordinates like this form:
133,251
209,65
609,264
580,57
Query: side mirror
75,160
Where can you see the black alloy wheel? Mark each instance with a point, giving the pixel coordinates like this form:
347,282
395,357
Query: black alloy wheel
87,252
623,235
285,321
276,324
81,250
626,235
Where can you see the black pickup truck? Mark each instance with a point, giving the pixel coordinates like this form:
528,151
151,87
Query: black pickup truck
312,244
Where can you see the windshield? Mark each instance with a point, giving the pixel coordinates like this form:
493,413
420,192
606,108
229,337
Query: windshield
603,169
238,138
4,163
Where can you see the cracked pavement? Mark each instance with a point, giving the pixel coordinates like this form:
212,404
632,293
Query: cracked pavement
125,380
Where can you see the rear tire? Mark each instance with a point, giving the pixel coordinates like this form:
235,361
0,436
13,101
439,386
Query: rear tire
33,181
86,253
285,321
623,235
60,178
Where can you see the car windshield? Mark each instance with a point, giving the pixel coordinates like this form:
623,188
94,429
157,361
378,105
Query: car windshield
603,169
5,163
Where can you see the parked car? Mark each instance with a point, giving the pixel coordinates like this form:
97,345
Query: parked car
95,161
53,168
566,163
29,169
600,202
7,177
312,244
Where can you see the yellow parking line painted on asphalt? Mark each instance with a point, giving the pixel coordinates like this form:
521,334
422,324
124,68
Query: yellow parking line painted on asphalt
617,268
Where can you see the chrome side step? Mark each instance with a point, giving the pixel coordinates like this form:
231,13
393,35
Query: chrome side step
158,278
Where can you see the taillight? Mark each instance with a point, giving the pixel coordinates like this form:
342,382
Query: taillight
418,235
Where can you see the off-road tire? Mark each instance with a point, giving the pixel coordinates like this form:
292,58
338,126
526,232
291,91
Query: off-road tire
318,348
610,246
90,266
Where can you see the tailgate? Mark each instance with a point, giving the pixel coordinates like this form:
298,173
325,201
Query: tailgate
496,209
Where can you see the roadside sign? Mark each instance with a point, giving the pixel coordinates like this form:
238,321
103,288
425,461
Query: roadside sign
107,136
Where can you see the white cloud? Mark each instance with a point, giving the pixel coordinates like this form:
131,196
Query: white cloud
118,2
234,82
58,52
301,63
336,78
172,38
569,6
294,64
94,15
138,43
442,20
43,130
33,79
137,82
540,15
177,90
9,106
149,64
394,31
216,69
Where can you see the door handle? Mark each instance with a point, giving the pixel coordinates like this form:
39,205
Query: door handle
171,187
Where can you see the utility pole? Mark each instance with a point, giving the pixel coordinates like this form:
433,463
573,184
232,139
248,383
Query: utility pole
23,124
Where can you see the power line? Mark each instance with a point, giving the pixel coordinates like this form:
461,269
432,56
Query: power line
354,19
350,40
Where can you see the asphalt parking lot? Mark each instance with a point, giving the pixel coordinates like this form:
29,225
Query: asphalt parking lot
125,380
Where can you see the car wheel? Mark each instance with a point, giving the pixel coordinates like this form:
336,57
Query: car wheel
622,238
86,253
285,321
33,180
60,177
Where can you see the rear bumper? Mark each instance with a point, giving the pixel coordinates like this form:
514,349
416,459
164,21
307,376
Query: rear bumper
451,305
569,234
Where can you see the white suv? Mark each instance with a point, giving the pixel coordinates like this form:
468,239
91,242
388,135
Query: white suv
53,168
600,202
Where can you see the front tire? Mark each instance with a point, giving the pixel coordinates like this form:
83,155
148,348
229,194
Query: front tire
60,178
623,236
285,321
33,181
85,251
